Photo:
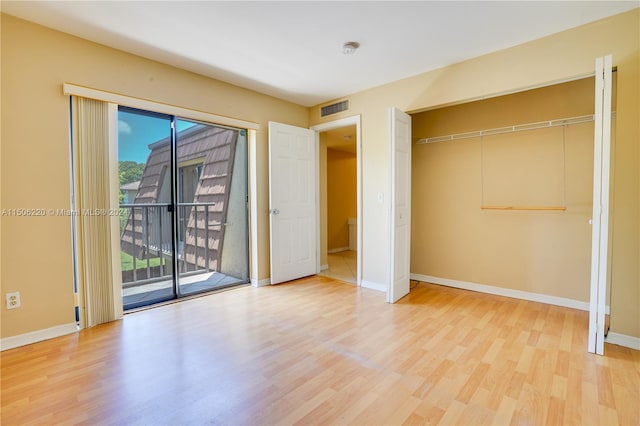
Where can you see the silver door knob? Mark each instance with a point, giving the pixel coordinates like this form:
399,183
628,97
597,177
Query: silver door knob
275,211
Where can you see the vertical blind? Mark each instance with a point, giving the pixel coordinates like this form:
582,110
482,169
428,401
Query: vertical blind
96,220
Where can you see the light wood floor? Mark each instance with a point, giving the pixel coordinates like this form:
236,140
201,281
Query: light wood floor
318,351
342,266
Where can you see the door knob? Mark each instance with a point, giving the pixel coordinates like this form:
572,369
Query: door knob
275,211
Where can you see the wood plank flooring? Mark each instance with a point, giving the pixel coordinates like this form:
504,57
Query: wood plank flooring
318,351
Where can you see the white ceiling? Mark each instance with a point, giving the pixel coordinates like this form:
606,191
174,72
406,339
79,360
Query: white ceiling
293,50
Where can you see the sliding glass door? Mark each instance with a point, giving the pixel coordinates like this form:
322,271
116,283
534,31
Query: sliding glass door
183,207
211,207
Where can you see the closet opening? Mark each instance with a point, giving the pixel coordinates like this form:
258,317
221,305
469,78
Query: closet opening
503,189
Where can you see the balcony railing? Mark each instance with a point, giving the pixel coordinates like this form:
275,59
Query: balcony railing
146,234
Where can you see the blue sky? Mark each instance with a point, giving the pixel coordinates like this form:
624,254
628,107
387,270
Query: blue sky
137,131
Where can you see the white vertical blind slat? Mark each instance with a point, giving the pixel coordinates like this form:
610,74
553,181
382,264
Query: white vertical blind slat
93,201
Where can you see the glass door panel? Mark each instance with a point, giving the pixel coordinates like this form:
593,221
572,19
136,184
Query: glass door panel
146,218
183,202
211,170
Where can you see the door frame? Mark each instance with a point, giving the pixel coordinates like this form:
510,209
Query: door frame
330,125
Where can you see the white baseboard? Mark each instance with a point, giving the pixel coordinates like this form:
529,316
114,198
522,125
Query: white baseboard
260,283
506,292
623,340
324,267
37,336
373,286
338,250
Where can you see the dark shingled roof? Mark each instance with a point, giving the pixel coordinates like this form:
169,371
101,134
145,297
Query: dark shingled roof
202,241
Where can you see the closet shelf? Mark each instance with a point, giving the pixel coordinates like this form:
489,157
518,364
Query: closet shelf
511,129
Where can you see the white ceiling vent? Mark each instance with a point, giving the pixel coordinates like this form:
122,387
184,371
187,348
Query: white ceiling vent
334,108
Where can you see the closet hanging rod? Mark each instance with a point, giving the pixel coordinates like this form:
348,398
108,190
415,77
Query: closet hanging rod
511,129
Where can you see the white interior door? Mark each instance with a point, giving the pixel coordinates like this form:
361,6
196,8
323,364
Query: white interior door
292,202
400,202
600,220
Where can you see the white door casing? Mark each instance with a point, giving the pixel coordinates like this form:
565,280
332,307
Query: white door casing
292,202
600,220
400,204
331,125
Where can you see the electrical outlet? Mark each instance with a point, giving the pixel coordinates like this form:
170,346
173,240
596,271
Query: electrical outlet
13,300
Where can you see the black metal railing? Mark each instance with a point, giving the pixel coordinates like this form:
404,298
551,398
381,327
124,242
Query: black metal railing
146,234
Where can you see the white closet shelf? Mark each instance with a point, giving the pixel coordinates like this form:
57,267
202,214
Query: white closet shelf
511,129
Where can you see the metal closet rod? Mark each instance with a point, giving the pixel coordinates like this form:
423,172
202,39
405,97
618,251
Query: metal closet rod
511,129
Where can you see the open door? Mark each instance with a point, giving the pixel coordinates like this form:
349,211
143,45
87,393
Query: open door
400,202
292,202
600,220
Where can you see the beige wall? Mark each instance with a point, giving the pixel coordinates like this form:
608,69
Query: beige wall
36,61
36,252
341,197
545,252
559,57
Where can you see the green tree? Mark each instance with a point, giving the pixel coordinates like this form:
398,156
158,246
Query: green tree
128,171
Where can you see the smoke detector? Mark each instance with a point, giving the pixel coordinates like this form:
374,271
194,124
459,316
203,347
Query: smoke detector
350,47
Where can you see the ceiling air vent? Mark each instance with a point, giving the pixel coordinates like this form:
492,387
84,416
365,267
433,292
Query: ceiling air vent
334,108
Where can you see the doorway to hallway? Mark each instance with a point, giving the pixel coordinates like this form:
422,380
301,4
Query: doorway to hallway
339,203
